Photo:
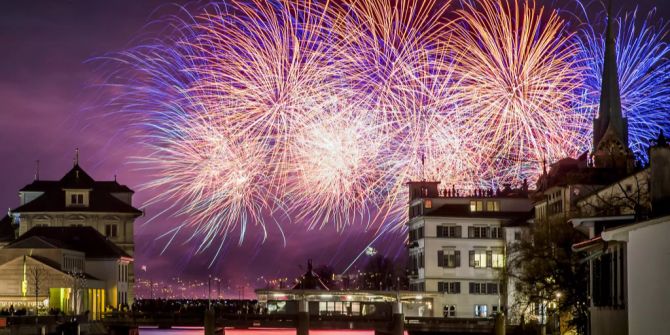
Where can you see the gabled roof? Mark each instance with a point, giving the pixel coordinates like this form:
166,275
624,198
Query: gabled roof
53,197
37,242
84,239
76,178
49,264
40,186
99,201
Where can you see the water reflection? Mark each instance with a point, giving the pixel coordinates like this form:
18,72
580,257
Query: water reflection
256,331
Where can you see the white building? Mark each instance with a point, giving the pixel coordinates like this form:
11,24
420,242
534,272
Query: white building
647,269
69,205
457,245
72,269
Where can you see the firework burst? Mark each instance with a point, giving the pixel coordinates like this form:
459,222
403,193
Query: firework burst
519,79
642,60
318,112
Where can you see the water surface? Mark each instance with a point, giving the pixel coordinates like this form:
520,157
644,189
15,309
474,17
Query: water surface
255,331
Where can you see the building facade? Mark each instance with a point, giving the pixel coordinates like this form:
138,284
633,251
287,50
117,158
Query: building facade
76,215
458,246
622,200
78,200
71,269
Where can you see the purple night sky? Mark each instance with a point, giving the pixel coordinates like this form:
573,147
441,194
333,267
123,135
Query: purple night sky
46,111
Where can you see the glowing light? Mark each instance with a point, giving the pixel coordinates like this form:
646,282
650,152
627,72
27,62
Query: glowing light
519,79
259,112
642,60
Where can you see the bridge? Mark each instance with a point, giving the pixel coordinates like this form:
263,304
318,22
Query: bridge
395,324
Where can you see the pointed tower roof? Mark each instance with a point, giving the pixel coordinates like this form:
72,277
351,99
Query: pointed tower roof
610,115
77,178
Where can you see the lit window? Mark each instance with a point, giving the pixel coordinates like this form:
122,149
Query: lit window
478,258
428,203
498,259
481,311
476,206
449,258
449,310
493,206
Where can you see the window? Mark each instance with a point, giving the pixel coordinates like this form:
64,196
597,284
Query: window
492,288
417,262
415,234
498,260
449,231
111,230
517,236
476,288
449,310
421,260
481,311
420,287
428,203
449,258
496,232
478,258
476,206
483,288
493,206
478,232
77,199
449,287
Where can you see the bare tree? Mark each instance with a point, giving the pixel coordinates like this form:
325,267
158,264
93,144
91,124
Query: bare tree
545,267
629,195
77,281
38,277
382,273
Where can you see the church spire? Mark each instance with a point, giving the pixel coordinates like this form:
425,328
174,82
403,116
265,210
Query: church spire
610,115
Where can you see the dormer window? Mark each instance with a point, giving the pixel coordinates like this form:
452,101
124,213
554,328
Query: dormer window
76,198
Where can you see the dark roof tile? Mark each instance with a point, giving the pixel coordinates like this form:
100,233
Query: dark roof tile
53,197
84,239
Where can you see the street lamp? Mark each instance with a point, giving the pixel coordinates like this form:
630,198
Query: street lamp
218,287
151,283
209,292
